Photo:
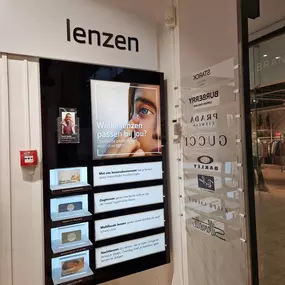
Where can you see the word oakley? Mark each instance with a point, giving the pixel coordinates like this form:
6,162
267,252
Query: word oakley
206,163
205,159
206,167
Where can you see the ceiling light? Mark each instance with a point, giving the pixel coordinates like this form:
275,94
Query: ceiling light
265,55
277,57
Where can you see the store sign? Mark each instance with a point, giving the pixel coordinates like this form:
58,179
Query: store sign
201,74
199,101
267,62
211,177
204,120
210,97
209,227
222,72
272,63
204,140
206,163
104,39
83,31
205,159
206,182
207,204
209,163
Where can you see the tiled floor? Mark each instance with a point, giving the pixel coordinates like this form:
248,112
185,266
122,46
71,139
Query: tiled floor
270,215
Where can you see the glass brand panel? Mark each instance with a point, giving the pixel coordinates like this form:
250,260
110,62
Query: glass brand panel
214,201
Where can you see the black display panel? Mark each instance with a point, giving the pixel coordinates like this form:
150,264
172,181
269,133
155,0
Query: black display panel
104,172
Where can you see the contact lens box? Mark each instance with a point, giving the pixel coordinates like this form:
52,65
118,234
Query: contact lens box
70,237
68,179
69,207
71,267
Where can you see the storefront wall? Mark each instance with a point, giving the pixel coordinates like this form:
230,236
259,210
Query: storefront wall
21,207
179,52
206,40
35,34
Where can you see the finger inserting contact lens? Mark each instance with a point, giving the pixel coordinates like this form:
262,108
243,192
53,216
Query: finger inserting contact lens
135,116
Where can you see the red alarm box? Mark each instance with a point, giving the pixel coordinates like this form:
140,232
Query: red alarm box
28,158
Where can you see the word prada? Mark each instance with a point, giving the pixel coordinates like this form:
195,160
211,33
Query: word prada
202,74
209,228
210,205
204,120
107,40
209,140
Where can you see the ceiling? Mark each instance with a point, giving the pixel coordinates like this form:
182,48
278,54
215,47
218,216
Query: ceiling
271,12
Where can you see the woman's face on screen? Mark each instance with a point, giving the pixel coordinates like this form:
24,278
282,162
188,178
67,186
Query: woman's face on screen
68,118
147,106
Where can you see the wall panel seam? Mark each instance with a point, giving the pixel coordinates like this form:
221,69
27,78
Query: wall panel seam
5,174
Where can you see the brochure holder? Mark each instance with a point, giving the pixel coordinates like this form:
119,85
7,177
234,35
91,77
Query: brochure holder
67,180
70,237
70,267
69,207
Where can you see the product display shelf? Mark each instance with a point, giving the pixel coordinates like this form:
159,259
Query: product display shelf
79,188
86,246
70,221
85,278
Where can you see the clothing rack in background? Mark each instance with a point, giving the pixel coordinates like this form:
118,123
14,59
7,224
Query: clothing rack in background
273,150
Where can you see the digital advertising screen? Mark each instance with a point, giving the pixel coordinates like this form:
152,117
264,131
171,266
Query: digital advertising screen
126,119
104,172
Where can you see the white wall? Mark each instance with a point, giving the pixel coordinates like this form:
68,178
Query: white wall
22,229
5,180
169,63
21,196
38,28
206,37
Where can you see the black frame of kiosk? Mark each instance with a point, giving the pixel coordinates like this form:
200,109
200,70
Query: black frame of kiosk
67,84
